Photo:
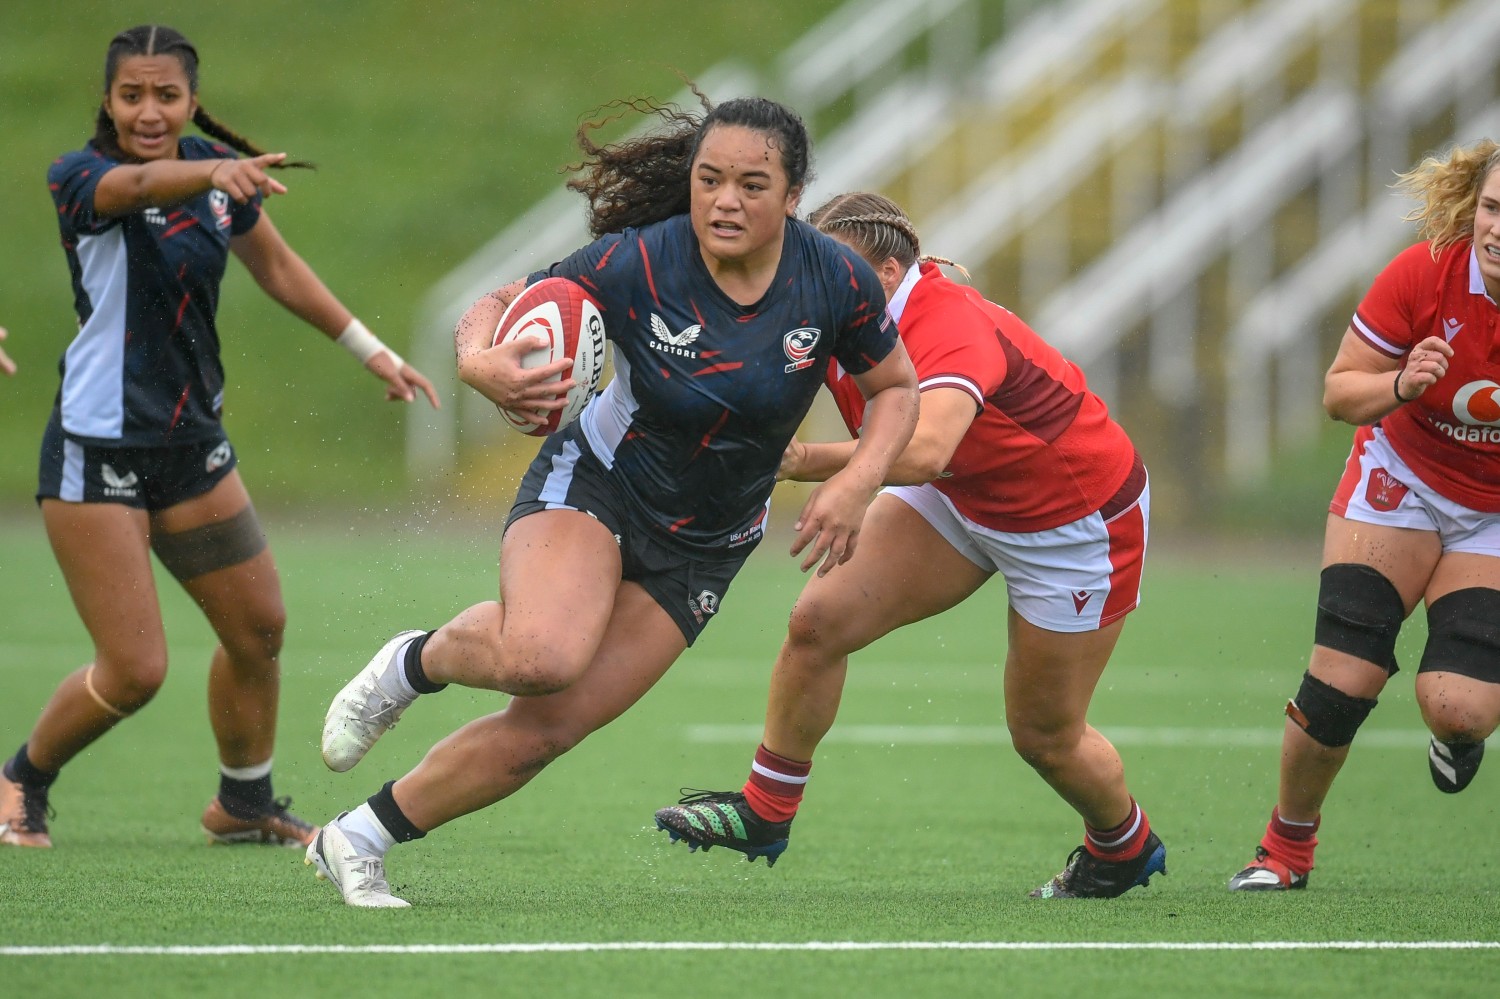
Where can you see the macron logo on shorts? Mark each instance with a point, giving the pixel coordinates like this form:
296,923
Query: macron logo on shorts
1081,600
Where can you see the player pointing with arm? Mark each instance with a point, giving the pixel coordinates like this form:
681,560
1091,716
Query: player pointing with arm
135,459
632,522
1415,517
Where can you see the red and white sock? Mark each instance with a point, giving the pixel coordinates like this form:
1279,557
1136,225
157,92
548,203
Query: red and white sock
1124,842
775,787
1290,842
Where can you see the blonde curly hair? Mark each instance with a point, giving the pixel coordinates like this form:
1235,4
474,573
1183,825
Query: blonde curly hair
1448,187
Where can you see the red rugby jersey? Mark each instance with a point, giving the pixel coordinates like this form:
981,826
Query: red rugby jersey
1043,450
1450,436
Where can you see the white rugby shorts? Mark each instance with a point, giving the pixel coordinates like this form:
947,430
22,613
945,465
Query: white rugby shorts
1377,487
1074,578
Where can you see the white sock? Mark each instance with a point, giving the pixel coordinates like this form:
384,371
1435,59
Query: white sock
365,833
246,773
394,677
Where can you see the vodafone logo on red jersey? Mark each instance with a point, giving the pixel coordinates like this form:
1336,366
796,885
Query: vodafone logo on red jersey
1478,404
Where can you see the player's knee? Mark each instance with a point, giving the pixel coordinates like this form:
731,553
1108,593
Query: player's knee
258,636
1359,614
1045,749
1463,634
1327,714
125,686
822,626
531,671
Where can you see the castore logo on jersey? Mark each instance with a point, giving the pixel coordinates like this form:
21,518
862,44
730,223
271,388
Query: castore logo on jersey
155,216
674,343
799,344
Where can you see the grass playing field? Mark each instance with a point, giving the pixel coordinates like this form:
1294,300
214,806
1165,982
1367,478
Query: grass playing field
921,835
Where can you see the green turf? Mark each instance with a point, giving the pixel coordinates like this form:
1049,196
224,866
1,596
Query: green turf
899,841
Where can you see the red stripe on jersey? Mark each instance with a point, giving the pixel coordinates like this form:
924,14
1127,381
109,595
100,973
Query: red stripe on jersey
646,265
685,521
708,438
184,224
716,369
604,260
181,308
177,413
1033,399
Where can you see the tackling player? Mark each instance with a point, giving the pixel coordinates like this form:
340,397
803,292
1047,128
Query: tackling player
725,312
134,458
1416,515
1015,468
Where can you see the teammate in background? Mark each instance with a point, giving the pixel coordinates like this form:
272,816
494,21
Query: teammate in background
1015,468
1416,515
6,364
134,458
633,520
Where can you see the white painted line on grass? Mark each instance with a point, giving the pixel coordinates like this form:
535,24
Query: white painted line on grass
231,950
1120,735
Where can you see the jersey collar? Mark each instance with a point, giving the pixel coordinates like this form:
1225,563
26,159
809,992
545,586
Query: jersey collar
897,304
1476,279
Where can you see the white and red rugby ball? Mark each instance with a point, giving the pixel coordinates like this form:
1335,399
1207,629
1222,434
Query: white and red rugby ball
563,314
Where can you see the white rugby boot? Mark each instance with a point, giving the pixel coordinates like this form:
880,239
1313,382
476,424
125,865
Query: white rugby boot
360,879
366,708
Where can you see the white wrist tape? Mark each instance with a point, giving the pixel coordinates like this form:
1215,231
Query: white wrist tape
363,344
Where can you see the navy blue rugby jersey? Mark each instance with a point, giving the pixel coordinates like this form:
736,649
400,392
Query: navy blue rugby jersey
707,393
144,369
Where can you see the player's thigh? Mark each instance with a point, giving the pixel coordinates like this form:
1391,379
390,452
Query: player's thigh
559,573
104,554
214,546
1402,555
640,643
1050,676
902,571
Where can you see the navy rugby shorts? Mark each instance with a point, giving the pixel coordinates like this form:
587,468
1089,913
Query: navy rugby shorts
565,475
146,478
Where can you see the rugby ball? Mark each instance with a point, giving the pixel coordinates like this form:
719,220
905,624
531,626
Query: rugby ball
564,315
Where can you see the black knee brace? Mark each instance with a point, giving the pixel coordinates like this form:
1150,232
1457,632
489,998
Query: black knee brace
1463,634
1326,713
1359,614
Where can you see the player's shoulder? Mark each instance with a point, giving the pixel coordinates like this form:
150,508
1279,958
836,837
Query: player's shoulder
76,160
1420,260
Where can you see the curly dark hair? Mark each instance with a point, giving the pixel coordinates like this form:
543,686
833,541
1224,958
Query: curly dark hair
638,181
156,39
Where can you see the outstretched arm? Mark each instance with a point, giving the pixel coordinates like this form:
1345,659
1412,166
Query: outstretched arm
285,276
130,187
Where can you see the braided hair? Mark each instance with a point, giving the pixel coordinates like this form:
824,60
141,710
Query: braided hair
642,180
1448,187
876,227
152,40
